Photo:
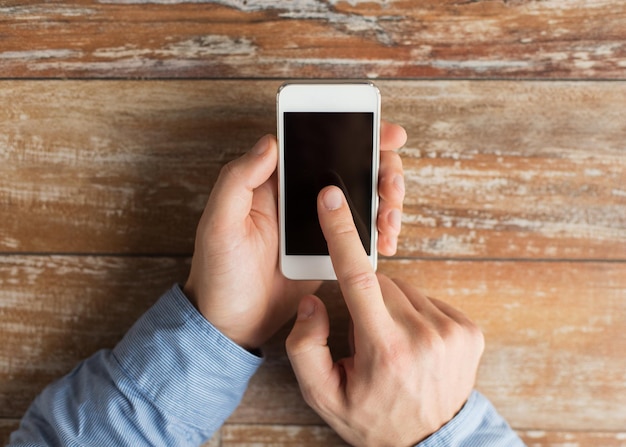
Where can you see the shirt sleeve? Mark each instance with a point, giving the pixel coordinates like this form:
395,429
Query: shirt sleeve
172,380
478,424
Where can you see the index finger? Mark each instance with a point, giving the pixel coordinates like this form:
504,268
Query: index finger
355,274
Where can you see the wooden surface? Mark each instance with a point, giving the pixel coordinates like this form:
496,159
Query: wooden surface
515,173
314,38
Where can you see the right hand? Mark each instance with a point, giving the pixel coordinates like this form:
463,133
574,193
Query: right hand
415,358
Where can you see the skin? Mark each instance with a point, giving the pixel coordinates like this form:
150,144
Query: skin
415,358
235,281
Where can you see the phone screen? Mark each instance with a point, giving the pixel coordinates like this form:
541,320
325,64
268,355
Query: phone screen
321,149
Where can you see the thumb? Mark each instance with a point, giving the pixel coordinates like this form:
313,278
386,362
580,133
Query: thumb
310,357
232,195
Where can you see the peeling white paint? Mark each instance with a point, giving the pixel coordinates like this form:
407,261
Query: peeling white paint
618,192
40,54
122,65
32,12
210,45
584,64
297,10
198,47
458,245
535,434
480,65
593,172
9,242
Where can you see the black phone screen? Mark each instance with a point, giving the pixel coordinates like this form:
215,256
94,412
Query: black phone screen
321,149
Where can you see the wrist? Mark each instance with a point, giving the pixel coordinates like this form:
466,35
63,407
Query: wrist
230,327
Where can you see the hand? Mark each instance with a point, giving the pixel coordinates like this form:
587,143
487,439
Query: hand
234,280
414,361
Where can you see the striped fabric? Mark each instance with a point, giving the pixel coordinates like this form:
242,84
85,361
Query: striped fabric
478,424
172,381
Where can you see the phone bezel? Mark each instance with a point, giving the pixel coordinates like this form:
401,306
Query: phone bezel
325,97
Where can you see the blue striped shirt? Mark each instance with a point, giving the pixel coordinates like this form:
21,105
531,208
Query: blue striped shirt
172,381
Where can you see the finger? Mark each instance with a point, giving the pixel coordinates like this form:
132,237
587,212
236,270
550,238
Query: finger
355,274
421,302
471,331
392,136
232,194
391,192
387,245
319,378
397,301
391,179
452,312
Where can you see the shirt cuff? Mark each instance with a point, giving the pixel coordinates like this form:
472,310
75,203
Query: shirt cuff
477,424
183,364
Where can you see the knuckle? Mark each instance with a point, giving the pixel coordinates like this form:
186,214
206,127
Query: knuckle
297,346
434,341
360,280
477,337
344,227
451,330
231,169
464,334
394,353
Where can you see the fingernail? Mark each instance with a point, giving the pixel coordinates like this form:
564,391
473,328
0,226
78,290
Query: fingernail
398,182
306,309
395,219
261,146
333,199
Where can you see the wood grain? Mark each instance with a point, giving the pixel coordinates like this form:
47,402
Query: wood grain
573,439
313,38
515,173
554,357
530,170
322,436
248,435
280,436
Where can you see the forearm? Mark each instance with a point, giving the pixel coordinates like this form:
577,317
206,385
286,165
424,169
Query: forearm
478,424
172,380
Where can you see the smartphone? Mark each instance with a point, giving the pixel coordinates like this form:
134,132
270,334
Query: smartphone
328,134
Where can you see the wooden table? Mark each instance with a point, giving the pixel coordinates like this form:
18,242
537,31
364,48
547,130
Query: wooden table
117,115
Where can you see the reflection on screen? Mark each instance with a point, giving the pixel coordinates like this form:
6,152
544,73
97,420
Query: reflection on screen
321,149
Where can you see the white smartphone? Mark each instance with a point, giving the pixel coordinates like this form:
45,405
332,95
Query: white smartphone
328,134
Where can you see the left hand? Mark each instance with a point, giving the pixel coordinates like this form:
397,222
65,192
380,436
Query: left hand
235,281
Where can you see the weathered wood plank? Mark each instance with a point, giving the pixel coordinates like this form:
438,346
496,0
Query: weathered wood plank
573,439
313,38
107,167
554,357
493,169
7,426
514,169
280,435
314,435
320,435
